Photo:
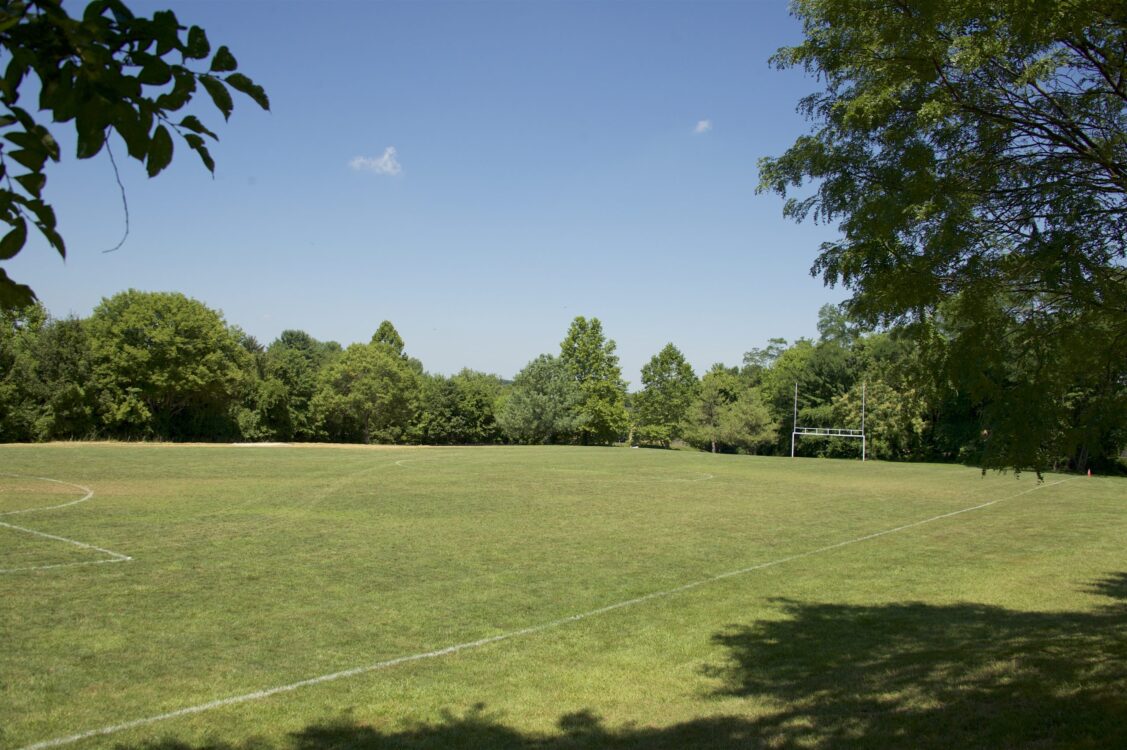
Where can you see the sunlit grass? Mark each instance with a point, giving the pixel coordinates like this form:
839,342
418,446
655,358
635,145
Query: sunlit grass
259,567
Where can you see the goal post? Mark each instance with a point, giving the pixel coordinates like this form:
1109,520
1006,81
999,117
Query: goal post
828,432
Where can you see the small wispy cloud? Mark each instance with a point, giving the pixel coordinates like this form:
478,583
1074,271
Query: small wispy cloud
385,164
703,126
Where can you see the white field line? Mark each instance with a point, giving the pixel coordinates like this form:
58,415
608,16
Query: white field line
702,478
469,645
89,494
114,556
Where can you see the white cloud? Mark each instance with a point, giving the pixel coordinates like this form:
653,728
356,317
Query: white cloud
386,164
703,126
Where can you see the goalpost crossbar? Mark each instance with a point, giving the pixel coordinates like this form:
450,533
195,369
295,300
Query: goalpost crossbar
828,432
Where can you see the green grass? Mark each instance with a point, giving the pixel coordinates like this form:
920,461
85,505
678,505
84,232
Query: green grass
259,567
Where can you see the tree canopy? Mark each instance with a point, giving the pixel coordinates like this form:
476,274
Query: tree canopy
164,364
107,71
543,406
974,157
661,407
589,358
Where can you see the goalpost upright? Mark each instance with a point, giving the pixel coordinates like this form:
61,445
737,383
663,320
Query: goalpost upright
829,431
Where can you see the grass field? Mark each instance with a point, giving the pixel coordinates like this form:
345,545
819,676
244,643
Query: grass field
258,568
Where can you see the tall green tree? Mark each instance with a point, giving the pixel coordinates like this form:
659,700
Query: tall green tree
746,423
63,378
662,406
719,389
165,365
20,409
293,363
386,335
590,359
368,394
543,405
108,71
459,409
978,151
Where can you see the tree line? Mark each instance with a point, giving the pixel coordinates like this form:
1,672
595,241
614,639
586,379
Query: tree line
162,366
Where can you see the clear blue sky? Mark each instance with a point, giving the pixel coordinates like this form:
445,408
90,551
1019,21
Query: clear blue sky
478,173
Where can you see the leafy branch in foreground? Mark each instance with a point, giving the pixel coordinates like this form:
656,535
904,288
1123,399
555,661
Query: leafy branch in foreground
974,157
108,71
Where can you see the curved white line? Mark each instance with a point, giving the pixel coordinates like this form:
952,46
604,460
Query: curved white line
456,648
89,494
115,556
703,478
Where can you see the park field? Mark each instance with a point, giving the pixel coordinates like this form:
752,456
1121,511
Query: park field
316,597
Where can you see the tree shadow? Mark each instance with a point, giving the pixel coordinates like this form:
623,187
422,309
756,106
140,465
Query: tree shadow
1113,587
903,675
920,675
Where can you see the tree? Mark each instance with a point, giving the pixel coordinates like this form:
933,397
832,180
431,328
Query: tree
293,363
62,373
746,423
977,151
386,335
459,409
543,404
367,394
165,365
661,407
20,330
108,71
590,359
758,361
719,388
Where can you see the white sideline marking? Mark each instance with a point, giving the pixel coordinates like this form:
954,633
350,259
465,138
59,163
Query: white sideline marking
116,556
456,648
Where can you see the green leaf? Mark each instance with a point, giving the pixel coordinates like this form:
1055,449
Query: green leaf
166,31
37,141
32,182
121,13
50,145
224,61
191,122
90,126
133,131
160,151
181,92
13,77
59,96
52,236
155,72
242,83
14,296
33,159
93,11
14,240
197,144
23,139
8,21
198,46
219,94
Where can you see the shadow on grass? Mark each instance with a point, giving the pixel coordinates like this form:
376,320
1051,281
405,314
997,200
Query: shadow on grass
838,676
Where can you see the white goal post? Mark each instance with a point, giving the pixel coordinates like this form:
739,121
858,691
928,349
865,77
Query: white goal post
844,432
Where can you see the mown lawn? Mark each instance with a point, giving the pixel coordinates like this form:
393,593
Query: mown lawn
256,568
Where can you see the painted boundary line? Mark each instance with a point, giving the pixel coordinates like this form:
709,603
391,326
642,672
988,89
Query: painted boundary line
469,645
114,556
